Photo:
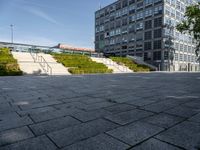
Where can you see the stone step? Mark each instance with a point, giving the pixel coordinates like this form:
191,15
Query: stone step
112,65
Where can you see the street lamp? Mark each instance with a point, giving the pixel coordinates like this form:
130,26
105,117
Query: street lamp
11,27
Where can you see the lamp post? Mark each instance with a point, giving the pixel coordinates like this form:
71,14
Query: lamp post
11,27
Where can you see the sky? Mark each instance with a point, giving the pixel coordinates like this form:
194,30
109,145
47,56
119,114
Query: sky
49,22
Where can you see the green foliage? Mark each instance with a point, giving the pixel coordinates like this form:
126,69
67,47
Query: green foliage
81,64
130,64
191,24
8,65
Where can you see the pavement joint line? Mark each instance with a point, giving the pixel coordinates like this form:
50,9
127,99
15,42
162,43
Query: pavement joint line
52,141
170,143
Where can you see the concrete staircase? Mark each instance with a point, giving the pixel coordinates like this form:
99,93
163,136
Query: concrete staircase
57,68
31,66
112,65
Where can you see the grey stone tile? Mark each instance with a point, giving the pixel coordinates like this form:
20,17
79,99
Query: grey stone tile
99,142
183,111
163,120
158,107
14,123
8,116
128,116
38,143
185,135
142,101
39,104
77,133
35,111
195,118
14,135
135,133
7,108
91,115
118,108
154,144
193,104
54,114
53,125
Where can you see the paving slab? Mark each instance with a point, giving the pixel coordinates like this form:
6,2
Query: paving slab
135,133
185,135
77,133
53,125
38,143
14,123
154,144
164,120
183,111
99,142
128,116
143,110
15,135
118,108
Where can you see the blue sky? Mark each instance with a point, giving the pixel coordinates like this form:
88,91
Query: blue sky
49,22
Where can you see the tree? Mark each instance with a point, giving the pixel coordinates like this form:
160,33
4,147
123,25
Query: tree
191,24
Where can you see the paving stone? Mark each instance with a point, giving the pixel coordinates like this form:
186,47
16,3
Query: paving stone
14,123
40,104
154,144
141,101
54,114
135,133
99,142
38,143
193,104
163,120
8,116
128,116
183,111
77,133
119,108
7,108
14,135
159,107
91,115
35,111
53,125
195,118
185,135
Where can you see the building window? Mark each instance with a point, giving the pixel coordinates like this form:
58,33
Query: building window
147,46
148,35
139,26
158,10
157,44
158,22
157,55
148,24
157,33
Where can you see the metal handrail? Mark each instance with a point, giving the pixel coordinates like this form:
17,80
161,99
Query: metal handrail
43,63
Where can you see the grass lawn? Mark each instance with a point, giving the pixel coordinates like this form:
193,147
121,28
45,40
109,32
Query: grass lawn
130,64
8,65
81,64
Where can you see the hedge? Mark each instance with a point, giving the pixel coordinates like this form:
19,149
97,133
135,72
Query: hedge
131,64
81,64
8,65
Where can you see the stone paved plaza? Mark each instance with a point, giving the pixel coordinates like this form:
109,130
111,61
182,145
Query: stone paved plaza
156,111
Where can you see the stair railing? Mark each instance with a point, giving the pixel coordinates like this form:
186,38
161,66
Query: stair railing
43,63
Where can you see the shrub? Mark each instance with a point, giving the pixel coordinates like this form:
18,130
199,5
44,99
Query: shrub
81,64
8,65
131,64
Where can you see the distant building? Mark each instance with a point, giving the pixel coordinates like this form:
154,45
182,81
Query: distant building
143,28
68,47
